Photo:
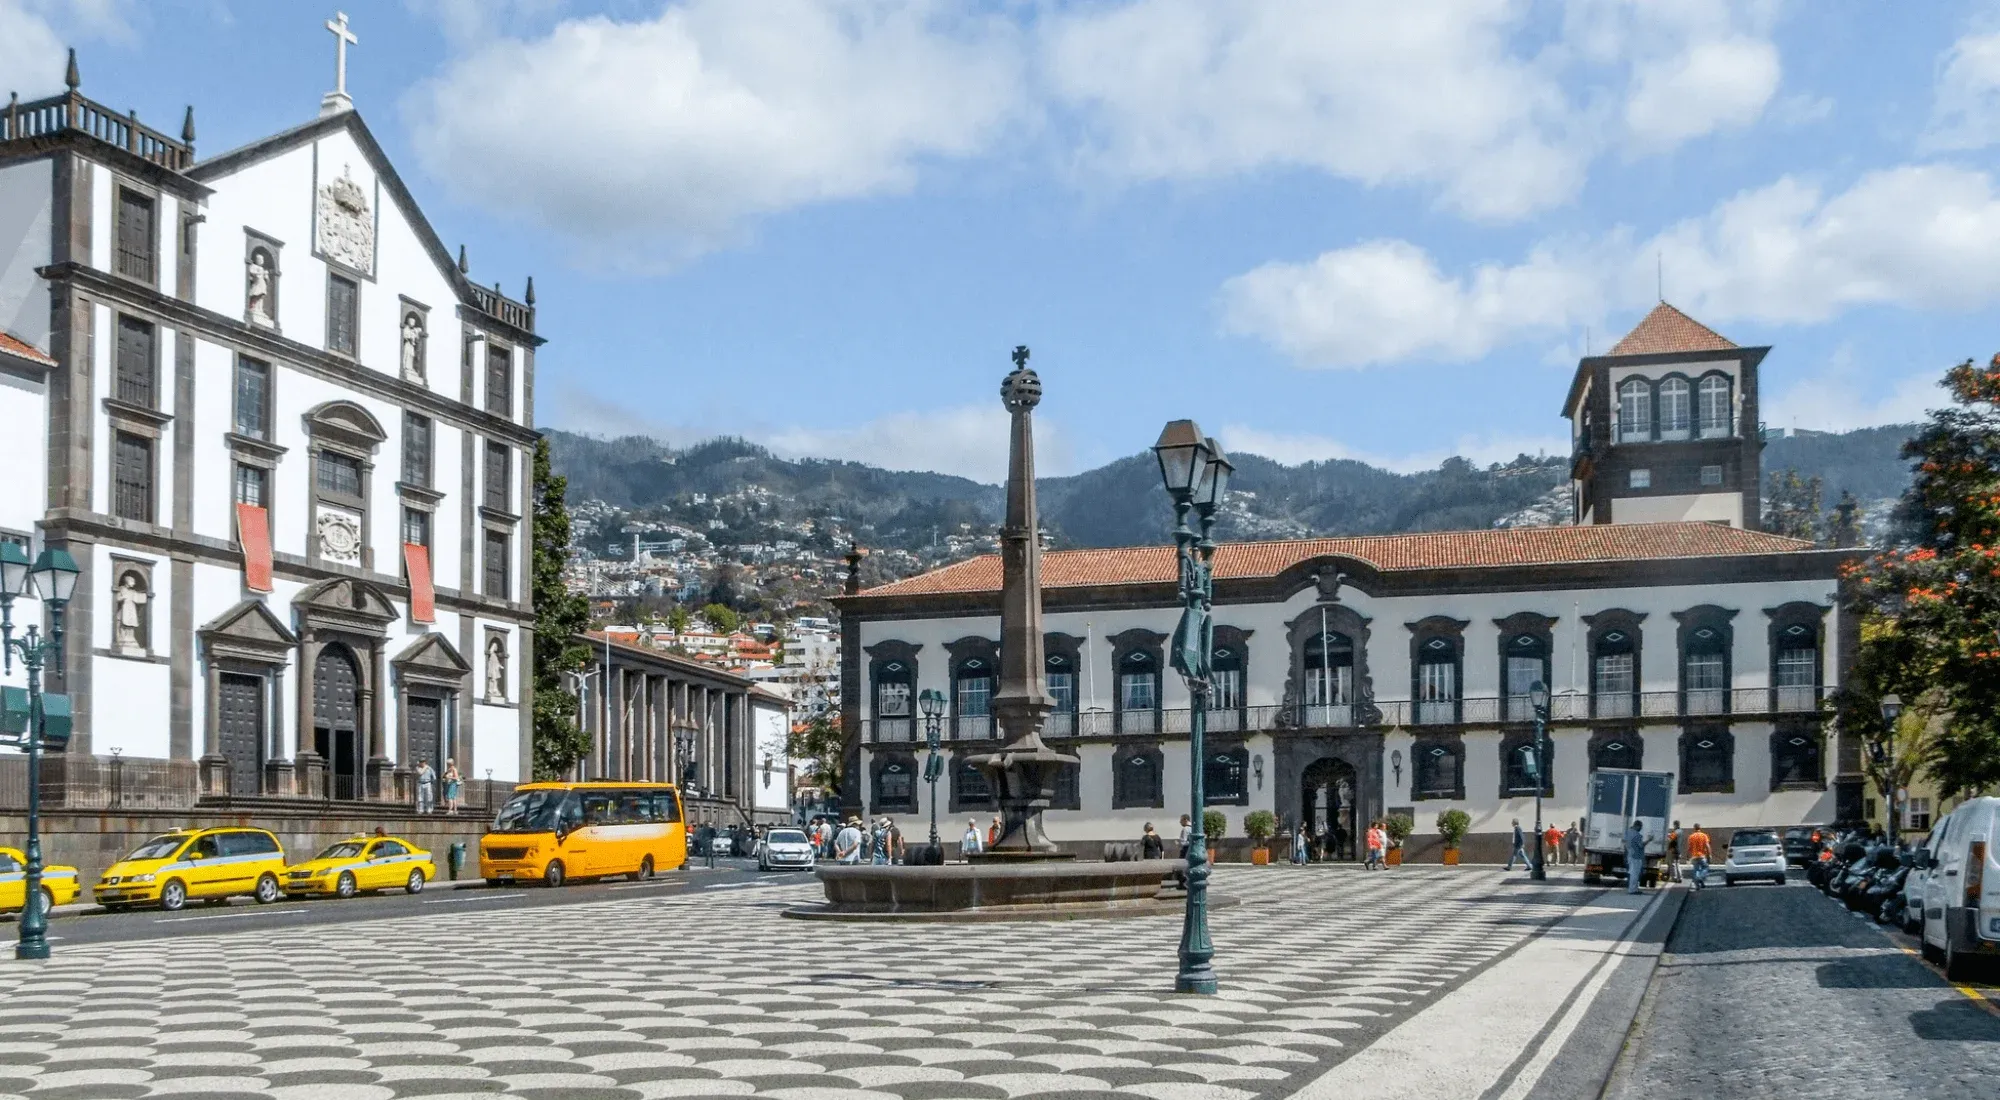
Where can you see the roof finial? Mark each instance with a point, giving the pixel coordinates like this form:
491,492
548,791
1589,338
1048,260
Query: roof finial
187,127
530,297
464,265
70,77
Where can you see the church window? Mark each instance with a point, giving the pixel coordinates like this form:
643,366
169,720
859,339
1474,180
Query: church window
1674,408
138,243
1715,403
417,450
497,495
1635,411
1711,475
343,314
1641,479
252,485
495,564
252,413
135,362
340,475
132,477
416,527
499,379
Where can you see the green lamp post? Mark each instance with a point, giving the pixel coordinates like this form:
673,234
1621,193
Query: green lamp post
43,719
931,701
1196,473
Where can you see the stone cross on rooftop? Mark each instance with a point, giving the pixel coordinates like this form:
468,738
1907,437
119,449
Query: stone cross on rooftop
337,100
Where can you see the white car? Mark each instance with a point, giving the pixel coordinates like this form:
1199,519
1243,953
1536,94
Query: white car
1913,884
1754,853
1962,889
785,848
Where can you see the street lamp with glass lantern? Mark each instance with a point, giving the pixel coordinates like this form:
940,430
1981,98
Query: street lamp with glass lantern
1892,709
1196,475
931,702
52,579
1538,698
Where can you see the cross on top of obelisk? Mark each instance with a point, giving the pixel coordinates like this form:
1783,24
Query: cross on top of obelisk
337,99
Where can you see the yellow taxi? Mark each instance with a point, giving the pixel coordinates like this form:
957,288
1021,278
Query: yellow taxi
348,867
59,883
210,864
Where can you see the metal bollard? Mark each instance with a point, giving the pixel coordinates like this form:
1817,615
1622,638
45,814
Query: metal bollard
455,860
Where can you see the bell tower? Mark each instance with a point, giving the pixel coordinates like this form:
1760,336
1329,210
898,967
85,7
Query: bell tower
1664,427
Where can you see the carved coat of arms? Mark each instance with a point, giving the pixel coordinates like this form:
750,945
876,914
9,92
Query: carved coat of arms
346,228
340,537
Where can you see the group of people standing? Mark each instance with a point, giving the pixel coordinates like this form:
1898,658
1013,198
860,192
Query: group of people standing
1559,845
878,842
427,787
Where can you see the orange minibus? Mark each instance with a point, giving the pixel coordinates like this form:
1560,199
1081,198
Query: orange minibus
554,832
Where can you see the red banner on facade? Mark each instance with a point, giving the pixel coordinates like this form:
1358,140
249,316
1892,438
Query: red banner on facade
423,598
253,531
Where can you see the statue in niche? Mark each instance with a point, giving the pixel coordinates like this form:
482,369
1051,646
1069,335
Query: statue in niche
128,605
496,668
259,290
413,347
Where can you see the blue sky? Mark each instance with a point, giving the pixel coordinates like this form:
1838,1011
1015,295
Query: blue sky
1370,230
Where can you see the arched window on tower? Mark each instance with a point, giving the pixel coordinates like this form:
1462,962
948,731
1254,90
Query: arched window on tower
1635,410
1674,408
1714,399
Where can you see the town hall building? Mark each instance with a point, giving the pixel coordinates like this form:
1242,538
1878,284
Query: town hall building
1362,676
287,437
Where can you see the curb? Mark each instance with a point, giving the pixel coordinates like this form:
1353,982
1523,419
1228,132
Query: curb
1608,1064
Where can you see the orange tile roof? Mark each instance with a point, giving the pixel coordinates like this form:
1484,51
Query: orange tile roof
1667,330
14,345
1387,553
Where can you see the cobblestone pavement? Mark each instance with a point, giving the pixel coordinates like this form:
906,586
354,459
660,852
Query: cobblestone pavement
1780,992
717,995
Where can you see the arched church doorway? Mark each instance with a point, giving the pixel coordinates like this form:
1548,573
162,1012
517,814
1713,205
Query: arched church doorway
1327,807
336,719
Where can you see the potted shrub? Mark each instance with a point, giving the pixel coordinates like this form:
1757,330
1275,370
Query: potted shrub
1399,827
1213,825
1452,826
1260,826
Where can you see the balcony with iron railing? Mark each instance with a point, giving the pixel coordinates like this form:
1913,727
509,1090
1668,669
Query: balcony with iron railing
1473,711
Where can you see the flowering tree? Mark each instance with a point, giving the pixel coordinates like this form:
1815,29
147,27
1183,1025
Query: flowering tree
1932,604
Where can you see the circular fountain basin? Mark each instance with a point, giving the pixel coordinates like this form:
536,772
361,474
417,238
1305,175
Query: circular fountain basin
1042,890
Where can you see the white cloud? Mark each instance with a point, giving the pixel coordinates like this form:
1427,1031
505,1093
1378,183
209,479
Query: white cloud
1293,448
967,440
30,50
1718,84
1916,237
1846,393
685,127
1966,110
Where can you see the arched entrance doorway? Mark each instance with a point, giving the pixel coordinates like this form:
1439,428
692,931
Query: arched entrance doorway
336,719
1327,798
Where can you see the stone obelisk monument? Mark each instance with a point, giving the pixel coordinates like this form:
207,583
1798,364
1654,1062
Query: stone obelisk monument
1023,773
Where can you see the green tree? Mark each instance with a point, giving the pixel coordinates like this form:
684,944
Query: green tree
678,619
817,744
561,616
721,618
1792,505
1933,601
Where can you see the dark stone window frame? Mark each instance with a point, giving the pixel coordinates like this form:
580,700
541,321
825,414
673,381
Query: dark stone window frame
1064,653
496,562
970,658
1601,629
135,380
149,195
1655,421
498,385
1782,736
1423,633
1511,744
1422,757
880,764
1729,404
1213,756
496,474
1786,620
1231,645
134,489
335,317
1529,624
343,427
1125,645
419,452
881,657
1339,619
1124,795
960,803
1690,742
1604,742
1692,623
1068,787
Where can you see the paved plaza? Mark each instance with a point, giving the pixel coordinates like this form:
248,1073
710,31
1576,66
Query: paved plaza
713,993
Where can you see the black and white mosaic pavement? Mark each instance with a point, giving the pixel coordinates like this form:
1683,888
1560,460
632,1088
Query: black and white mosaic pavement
716,995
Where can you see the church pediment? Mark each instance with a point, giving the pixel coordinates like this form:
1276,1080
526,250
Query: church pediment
345,602
431,658
347,422
249,630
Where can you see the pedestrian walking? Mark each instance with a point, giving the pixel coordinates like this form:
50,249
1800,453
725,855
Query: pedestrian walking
1698,851
970,844
847,845
1299,843
707,838
452,785
878,842
1520,851
1187,830
1552,843
1573,843
896,852
1674,853
1635,855
1151,844
426,786
1378,843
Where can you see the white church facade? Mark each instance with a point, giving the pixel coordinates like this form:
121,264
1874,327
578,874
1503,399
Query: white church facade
1362,676
287,439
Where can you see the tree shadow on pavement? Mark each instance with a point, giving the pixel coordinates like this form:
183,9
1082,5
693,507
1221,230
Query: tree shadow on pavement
1956,1020
1897,971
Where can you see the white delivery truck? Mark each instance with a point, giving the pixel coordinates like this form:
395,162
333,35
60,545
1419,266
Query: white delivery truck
1962,889
1619,797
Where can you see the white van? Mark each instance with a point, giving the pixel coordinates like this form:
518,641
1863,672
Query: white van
1962,888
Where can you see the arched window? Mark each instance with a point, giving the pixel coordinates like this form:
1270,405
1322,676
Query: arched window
1705,671
969,788
1329,679
1708,761
1674,408
1437,681
1635,410
1795,668
1435,769
1614,675
1527,663
1061,673
972,698
1225,777
1135,777
1225,695
1714,399
1139,692
1617,749
893,697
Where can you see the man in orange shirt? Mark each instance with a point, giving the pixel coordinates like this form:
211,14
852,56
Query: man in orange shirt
1552,844
1698,852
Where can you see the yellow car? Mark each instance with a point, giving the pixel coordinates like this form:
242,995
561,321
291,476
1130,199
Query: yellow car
59,883
210,864
348,867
